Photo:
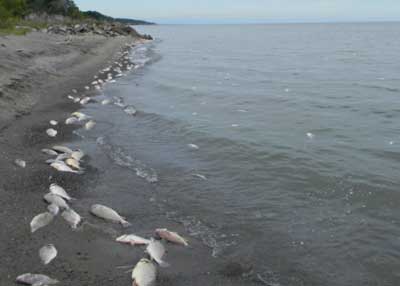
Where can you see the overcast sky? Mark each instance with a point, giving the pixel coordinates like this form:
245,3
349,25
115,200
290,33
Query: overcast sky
231,11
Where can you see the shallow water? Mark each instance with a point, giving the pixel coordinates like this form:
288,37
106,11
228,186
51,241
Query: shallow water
299,148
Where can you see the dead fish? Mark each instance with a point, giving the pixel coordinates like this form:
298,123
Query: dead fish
53,209
36,280
144,273
47,253
49,152
94,82
106,101
59,191
81,116
156,250
53,122
56,200
20,163
73,163
74,91
200,176
72,217
193,146
85,100
109,214
71,120
90,124
77,155
41,220
171,236
62,167
62,149
87,87
133,239
130,110
51,132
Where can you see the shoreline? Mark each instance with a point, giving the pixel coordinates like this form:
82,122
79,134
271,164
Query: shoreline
45,69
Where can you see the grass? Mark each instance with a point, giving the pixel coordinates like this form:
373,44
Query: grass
17,31
20,27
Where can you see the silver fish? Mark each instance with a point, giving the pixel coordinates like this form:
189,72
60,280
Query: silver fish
81,116
106,101
72,217
73,163
193,146
90,124
62,167
77,155
53,209
59,191
144,273
49,152
56,200
41,220
36,279
156,250
133,239
62,149
171,236
71,120
20,163
109,214
53,122
47,253
51,132
131,110
85,100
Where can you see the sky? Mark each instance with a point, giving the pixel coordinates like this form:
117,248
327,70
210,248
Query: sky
247,11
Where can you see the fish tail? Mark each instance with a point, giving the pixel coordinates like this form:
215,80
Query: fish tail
125,223
163,264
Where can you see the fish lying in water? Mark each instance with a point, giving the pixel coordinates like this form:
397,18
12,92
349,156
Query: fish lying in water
72,217
41,220
62,167
36,280
193,146
85,100
71,120
20,163
144,273
56,200
90,124
47,253
108,214
59,191
130,110
171,236
156,250
133,239
51,132
81,116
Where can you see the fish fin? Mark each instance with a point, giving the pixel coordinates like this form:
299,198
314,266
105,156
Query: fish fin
163,264
125,223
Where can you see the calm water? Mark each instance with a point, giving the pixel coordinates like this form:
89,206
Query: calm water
299,145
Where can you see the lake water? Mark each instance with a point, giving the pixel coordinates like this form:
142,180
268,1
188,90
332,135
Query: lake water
297,169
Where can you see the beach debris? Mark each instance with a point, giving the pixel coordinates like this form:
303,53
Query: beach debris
53,209
62,167
41,220
20,163
49,152
72,217
47,253
310,135
133,239
193,146
200,176
105,101
90,124
108,214
130,110
36,280
53,122
85,100
156,250
51,132
171,236
81,116
144,273
59,191
56,200
71,120
61,149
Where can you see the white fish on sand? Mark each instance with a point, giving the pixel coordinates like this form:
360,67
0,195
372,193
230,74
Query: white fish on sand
77,155
59,191
41,220
71,120
36,280
62,149
105,101
73,163
47,253
81,116
51,132
90,124
108,214
20,163
62,167
156,250
130,110
53,122
133,239
49,152
87,87
193,146
144,273
72,217
53,209
171,236
56,200
85,100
